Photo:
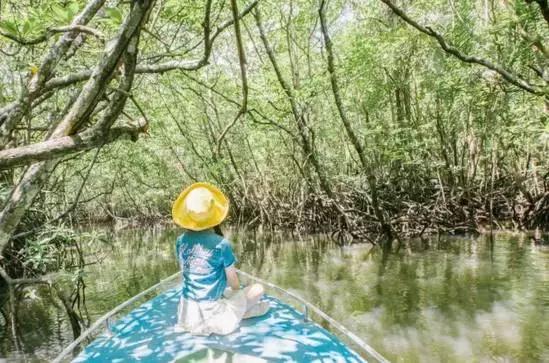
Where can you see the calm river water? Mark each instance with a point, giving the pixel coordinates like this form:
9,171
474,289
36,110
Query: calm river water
444,299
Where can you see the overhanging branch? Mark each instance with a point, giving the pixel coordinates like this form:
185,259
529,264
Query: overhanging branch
508,75
53,148
53,30
242,61
182,65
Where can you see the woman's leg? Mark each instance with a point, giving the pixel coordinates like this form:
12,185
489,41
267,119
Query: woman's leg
253,294
253,306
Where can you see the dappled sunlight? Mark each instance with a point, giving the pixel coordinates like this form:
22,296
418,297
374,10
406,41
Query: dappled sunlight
147,334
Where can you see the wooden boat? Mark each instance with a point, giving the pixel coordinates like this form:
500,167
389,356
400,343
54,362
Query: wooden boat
283,335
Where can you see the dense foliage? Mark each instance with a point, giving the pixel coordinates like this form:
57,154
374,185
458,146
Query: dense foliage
366,118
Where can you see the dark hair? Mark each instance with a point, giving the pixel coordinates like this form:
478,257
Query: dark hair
217,229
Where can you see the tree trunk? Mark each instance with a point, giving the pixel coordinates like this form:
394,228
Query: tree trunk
385,227
31,181
307,144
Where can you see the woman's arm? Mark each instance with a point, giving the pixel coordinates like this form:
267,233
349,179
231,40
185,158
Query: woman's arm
232,278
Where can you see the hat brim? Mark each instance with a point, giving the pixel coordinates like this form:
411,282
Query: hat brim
221,209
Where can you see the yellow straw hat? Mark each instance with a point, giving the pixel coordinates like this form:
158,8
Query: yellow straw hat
200,206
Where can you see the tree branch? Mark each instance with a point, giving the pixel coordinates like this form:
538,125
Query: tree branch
182,65
53,148
88,98
48,64
242,60
334,81
22,281
53,30
509,76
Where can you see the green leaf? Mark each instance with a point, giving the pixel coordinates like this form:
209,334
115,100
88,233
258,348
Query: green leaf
58,11
115,15
73,9
26,26
9,27
62,14
35,26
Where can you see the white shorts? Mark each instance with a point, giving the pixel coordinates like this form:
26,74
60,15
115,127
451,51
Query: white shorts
212,317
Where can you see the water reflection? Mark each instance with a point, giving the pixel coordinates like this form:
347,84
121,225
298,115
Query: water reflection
445,299
126,263
440,299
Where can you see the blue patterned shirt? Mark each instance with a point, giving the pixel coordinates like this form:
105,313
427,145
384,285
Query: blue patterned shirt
203,257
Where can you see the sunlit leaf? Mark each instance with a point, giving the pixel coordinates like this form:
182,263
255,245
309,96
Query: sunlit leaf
9,27
115,15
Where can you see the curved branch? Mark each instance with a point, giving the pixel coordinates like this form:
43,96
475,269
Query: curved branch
182,65
23,281
52,148
51,31
244,77
334,82
47,66
509,76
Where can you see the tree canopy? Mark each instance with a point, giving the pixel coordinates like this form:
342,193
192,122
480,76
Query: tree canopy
370,119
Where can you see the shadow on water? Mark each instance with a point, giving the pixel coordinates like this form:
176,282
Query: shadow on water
449,299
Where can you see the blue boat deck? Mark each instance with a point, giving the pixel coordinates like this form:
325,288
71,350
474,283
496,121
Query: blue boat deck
147,335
